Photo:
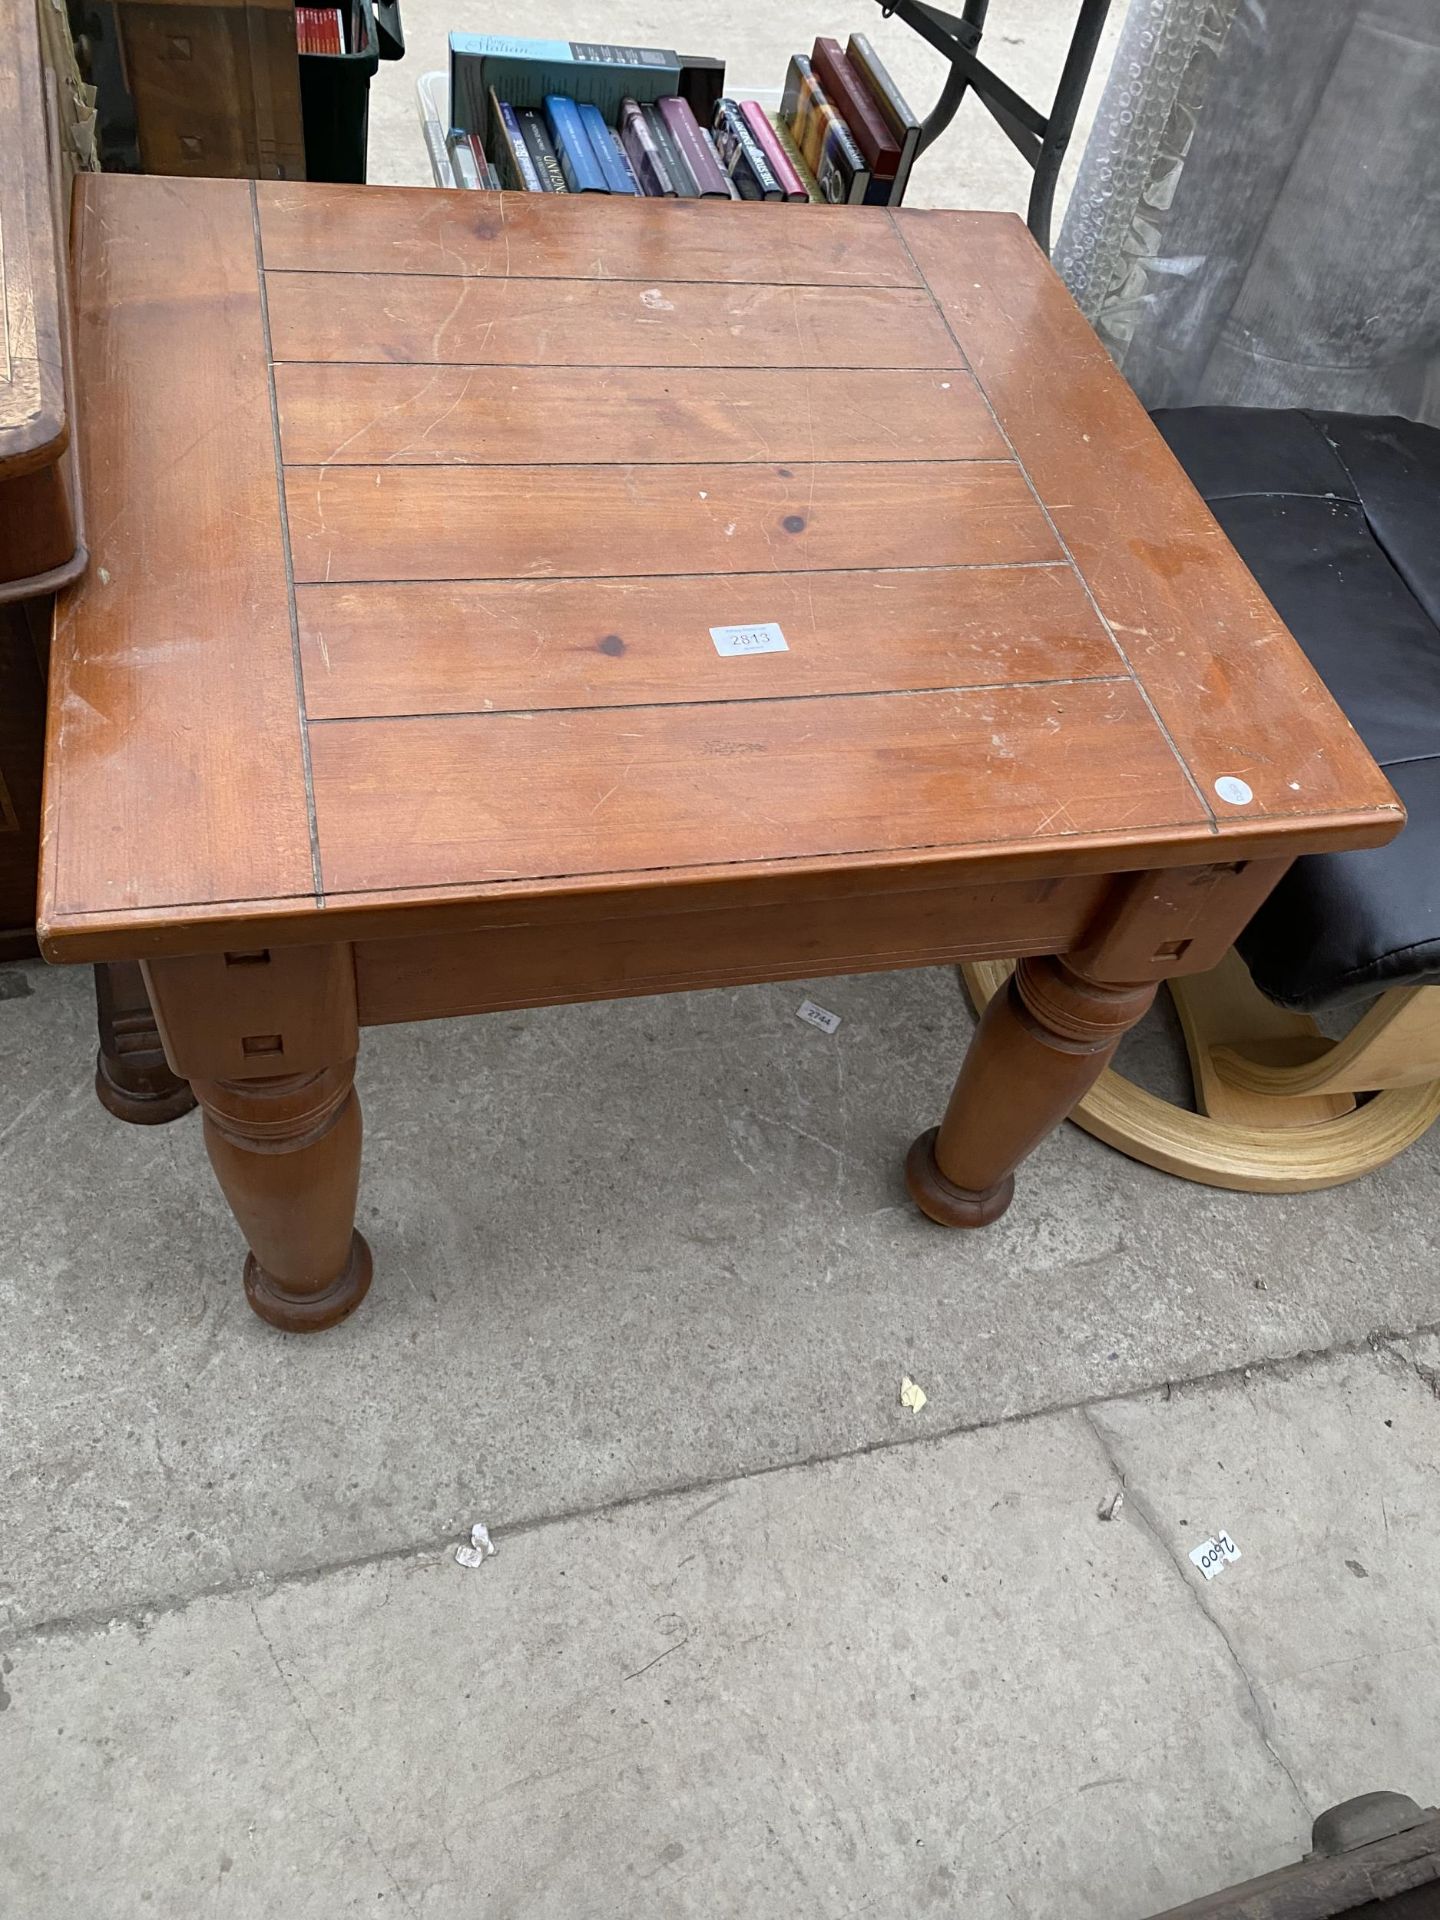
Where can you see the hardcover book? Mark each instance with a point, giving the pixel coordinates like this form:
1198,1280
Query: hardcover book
489,176
704,170
642,152
524,71
578,159
758,121
684,180
823,137
607,150
743,156
542,150
709,138
902,121
793,154
851,98
624,160
506,147
463,162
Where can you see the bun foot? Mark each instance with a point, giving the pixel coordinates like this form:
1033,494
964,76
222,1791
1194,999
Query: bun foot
941,1200
150,1098
310,1312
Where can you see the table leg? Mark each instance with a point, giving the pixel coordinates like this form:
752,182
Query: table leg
1040,1046
133,1079
268,1038
286,1152
1042,1043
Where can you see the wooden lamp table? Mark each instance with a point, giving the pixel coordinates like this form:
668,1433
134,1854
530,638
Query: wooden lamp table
430,661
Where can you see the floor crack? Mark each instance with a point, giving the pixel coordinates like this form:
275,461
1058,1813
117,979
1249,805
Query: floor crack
144,1612
1414,1364
1137,1502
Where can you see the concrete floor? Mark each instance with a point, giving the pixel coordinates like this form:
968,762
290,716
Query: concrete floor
756,1640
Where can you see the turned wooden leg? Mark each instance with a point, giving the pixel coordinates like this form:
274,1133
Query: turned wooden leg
1039,1047
268,1040
133,1079
286,1152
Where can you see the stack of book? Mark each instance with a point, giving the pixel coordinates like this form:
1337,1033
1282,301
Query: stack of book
555,116
319,30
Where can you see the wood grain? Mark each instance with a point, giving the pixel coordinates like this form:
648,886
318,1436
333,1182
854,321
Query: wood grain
358,523
216,85
511,796
1226,677
950,710
585,323
582,237
473,646
439,976
483,416
174,757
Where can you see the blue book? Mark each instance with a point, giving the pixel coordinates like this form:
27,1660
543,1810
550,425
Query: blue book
613,164
524,71
578,158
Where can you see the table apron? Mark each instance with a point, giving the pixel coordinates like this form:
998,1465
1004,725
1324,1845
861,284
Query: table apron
432,976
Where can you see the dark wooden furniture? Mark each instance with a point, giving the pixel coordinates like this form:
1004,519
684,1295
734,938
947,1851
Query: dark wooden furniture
215,85
393,692
41,526
1376,1857
39,540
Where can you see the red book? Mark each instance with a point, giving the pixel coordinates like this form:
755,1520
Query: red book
852,99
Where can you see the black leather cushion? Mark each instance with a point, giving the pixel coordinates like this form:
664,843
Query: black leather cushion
1338,518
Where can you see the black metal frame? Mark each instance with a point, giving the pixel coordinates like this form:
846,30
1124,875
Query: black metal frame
1040,138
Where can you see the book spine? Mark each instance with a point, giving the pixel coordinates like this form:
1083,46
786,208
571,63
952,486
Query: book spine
618,177
623,161
795,157
792,100
684,180
542,151
517,166
646,158
319,30
462,159
791,185
895,109
708,176
524,71
743,156
730,187
577,157
438,148
840,170
824,139
489,178
852,101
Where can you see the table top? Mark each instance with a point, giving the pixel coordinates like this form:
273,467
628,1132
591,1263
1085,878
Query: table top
418,518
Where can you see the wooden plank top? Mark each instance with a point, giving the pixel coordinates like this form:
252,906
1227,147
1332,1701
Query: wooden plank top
417,516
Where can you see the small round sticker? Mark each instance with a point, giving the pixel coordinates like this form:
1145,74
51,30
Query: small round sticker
1233,790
